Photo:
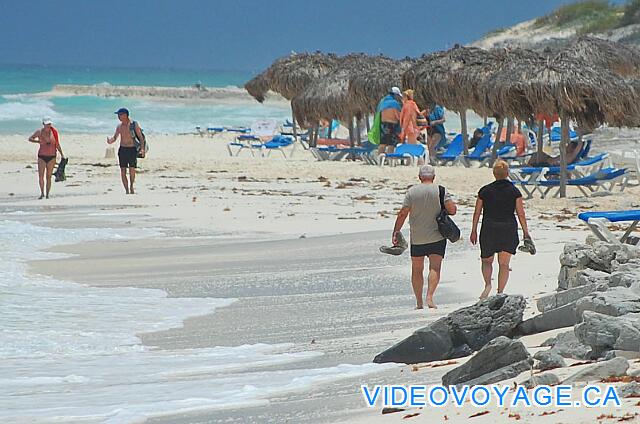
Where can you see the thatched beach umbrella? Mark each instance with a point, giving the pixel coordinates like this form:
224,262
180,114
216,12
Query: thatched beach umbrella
574,90
258,87
290,75
619,58
372,81
329,97
450,79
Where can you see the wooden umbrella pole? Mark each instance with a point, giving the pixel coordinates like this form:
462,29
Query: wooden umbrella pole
293,120
540,137
564,127
368,124
465,134
352,138
358,132
507,139
496,142
314,135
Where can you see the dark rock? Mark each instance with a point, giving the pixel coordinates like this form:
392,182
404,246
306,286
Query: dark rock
563,297
547,379
603,333
614,302
583,278
563,316
548,360
460,333
500,359
616,367
567,345
627,354
629,390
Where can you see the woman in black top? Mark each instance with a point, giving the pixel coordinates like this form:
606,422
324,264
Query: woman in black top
498,202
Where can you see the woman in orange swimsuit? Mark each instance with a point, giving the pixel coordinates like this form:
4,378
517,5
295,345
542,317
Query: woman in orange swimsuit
47,138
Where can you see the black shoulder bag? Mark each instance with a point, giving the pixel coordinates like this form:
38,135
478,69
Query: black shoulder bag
446,226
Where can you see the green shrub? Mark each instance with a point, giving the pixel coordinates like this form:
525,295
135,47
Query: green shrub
495,32
601,24
631,13
580,12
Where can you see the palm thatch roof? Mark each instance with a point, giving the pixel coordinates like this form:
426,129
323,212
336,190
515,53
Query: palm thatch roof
329,97
372,81
289,75
450,78
527,84
258,87
619,58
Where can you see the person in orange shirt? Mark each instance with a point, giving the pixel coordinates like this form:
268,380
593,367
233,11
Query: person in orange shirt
517,139
409,117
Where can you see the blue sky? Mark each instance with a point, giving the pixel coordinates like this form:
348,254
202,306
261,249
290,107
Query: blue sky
241,34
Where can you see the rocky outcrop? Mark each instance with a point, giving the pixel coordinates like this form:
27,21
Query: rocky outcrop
613,368
548,360
547,379
564,316
603,333
500,359
460,333
564,297
567,345
615,302
199,92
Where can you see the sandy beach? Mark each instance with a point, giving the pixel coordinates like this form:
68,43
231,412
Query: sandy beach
288,249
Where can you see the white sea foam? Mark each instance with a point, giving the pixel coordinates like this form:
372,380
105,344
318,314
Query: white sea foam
28,108
68,353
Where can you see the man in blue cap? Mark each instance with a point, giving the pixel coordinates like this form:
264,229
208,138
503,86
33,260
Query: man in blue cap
128,131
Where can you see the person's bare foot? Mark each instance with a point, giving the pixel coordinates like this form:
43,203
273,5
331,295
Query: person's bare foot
420,307
431,305
131,191
485,292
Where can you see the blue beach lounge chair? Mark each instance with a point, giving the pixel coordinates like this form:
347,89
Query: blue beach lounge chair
404,151
453,152
605,179
597,223
479,153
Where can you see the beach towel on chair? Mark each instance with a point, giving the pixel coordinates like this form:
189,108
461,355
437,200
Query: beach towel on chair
374,133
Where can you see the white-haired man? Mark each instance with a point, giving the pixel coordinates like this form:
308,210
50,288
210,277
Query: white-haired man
422,206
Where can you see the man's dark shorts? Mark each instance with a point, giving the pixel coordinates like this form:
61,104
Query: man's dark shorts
437,248
389,134
128,157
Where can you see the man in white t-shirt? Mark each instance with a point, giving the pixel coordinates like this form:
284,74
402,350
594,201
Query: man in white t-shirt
422,206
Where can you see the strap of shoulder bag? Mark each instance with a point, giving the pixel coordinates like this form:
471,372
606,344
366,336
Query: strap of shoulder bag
441,192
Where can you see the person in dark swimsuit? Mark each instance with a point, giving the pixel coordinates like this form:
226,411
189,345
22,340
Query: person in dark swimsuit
498,203
47,138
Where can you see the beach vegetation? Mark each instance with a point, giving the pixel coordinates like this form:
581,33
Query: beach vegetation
588,15
495,32
631,13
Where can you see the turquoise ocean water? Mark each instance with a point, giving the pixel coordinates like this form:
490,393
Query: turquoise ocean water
22,108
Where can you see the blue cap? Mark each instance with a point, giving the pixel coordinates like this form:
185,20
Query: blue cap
122,110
